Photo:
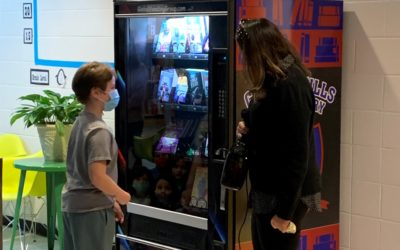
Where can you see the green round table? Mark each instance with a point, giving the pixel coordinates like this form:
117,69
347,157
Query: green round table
55,179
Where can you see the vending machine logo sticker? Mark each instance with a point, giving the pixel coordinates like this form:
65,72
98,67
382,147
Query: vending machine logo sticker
319,147
247,96
323,94
321,238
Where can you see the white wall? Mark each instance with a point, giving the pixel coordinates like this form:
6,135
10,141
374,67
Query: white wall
370,139
72,30
370,149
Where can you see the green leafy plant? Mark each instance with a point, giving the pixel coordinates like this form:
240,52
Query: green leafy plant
48,108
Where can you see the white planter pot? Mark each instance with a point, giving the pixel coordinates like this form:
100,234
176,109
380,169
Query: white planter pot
53,145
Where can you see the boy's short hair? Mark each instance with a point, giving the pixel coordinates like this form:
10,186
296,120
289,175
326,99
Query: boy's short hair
91,75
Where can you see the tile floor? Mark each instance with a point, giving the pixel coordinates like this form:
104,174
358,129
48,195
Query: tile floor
38,242
32,242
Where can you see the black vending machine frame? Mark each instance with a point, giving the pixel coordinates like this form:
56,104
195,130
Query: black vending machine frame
220,118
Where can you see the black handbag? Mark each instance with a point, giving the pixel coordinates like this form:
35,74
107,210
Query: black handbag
234,172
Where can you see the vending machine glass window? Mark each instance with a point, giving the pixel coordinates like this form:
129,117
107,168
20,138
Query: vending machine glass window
162,123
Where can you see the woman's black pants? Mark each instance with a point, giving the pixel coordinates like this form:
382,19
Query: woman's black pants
267,238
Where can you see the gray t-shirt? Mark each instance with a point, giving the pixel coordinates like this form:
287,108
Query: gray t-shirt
91,140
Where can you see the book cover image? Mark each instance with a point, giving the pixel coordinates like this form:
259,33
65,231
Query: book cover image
204,76
167,81
167,145
200,188
196,32
180,95
179,36
206,45
163,39
196,91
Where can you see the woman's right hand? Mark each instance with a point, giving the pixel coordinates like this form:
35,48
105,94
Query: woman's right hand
241,129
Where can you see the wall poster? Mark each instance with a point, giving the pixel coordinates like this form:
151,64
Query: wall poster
315,28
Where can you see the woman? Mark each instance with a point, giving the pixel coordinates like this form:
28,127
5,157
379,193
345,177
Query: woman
278,128
91,196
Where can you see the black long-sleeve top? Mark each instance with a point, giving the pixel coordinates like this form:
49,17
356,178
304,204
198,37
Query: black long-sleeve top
281,141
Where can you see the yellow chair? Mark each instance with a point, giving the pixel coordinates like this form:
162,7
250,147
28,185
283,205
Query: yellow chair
11,145
35,182
12,148
35,185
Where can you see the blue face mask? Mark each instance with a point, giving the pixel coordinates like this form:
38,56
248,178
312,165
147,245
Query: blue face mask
141,188
113,102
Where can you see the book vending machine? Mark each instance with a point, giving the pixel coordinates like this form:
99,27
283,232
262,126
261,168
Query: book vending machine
172,61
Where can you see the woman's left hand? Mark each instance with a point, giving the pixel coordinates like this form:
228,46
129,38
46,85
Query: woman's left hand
285,226
119,215
241,129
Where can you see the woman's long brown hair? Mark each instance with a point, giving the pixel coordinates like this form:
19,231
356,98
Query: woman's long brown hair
264,47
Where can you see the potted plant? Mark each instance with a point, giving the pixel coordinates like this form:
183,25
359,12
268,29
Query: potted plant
53,115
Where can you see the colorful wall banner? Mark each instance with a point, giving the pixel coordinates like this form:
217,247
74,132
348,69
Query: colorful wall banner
315,29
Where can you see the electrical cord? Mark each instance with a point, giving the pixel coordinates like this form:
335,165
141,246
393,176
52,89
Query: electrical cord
245,215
